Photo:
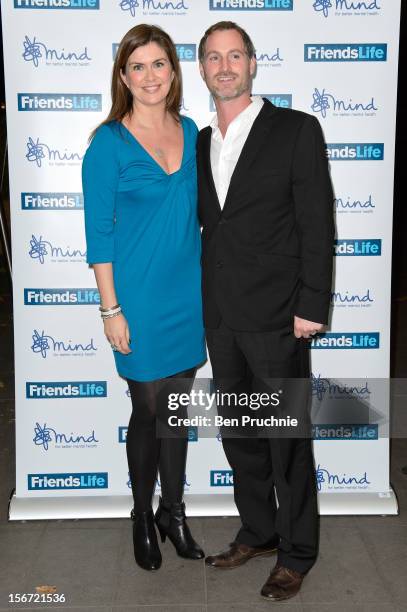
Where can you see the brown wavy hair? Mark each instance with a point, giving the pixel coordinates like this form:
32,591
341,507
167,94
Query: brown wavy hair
122,98
221,26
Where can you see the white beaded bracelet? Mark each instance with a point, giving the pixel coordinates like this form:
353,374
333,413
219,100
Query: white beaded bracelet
111,313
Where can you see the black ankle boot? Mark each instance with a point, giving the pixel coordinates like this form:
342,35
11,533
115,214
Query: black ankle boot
146,549
171,522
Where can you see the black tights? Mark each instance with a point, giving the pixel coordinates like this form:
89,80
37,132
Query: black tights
147,451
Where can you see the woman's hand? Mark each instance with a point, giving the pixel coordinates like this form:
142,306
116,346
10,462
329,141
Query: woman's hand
117,333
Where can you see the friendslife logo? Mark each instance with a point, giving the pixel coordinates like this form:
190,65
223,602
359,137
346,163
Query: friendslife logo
281,100
51,201
122,434
346,7
358,247
186,52
324,102
38,102
66,390
38,52
344,432
250,5
40,250
345,52
346,340
57,4
37,152
42,343
44,436
221,478
72,480
61,297
355,151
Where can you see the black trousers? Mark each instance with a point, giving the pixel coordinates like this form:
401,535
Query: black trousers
257,362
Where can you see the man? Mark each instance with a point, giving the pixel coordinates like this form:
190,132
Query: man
265,204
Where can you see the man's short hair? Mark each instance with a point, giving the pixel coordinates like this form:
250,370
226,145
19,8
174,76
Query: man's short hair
226,25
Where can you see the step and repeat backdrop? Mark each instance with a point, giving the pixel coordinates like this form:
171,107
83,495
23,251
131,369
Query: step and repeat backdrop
335,59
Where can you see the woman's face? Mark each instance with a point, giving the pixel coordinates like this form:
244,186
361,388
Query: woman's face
148,74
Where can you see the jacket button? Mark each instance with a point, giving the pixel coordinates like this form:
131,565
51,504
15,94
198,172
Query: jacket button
219,264
222,221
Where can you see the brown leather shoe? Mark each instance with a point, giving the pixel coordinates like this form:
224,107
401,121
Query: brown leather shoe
282,583
237,554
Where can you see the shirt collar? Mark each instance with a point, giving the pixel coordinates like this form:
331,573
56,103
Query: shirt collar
248,114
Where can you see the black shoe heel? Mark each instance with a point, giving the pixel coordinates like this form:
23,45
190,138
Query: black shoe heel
146,550
171,522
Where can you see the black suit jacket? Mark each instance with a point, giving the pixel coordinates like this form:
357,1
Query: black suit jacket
267,256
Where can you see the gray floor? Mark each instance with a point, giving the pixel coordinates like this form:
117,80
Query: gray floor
362,563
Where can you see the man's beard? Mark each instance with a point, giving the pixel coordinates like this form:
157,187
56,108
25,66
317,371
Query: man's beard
236,93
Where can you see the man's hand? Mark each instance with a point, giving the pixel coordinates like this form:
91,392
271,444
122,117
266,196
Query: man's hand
306,329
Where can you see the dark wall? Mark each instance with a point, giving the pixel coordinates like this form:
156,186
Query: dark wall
400,212
2,94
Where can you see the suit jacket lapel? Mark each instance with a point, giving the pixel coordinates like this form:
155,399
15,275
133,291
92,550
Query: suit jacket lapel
257,135
206,165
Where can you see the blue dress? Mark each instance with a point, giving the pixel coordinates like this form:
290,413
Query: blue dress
145,222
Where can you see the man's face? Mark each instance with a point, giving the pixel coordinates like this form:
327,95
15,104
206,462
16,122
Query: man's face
226,67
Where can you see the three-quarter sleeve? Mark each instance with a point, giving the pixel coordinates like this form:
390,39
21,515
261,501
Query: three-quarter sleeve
100,175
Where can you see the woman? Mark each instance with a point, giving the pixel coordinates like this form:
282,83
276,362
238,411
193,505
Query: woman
143,239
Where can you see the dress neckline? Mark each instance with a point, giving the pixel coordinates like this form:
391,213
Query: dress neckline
149,154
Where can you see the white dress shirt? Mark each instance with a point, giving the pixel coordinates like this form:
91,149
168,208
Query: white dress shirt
226,151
